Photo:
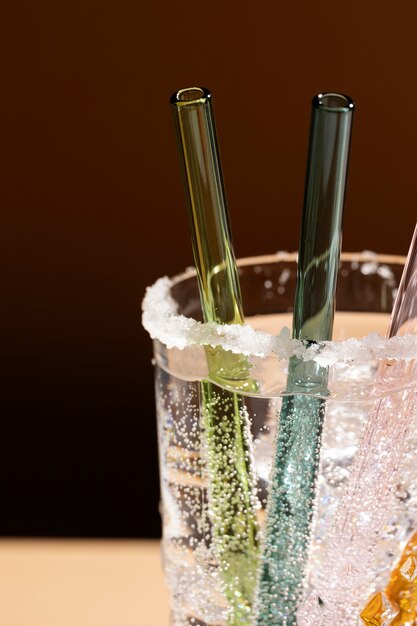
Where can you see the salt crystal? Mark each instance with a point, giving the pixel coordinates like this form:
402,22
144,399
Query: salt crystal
163,322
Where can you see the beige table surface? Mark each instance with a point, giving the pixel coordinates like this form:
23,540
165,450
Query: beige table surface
81,583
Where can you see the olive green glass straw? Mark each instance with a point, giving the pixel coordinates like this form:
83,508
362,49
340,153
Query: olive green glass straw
291,498
226,426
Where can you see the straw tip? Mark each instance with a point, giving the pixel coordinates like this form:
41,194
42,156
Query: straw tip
332,101
190,95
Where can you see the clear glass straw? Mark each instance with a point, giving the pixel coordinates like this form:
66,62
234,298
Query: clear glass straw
404,313
291,498
231,485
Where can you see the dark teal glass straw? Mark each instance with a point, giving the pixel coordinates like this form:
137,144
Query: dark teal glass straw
291,498
225,420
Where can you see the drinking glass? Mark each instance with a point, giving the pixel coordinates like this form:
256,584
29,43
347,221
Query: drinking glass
367,286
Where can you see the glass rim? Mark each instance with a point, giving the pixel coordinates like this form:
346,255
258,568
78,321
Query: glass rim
291,257
161,319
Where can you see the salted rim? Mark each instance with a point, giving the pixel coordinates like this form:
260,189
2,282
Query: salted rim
161,319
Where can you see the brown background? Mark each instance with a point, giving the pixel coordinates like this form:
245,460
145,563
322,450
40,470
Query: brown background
93,209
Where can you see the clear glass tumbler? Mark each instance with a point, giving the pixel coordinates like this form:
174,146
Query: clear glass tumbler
366,290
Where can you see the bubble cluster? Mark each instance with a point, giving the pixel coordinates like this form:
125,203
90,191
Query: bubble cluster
193,555
231,496
209,505
377,485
